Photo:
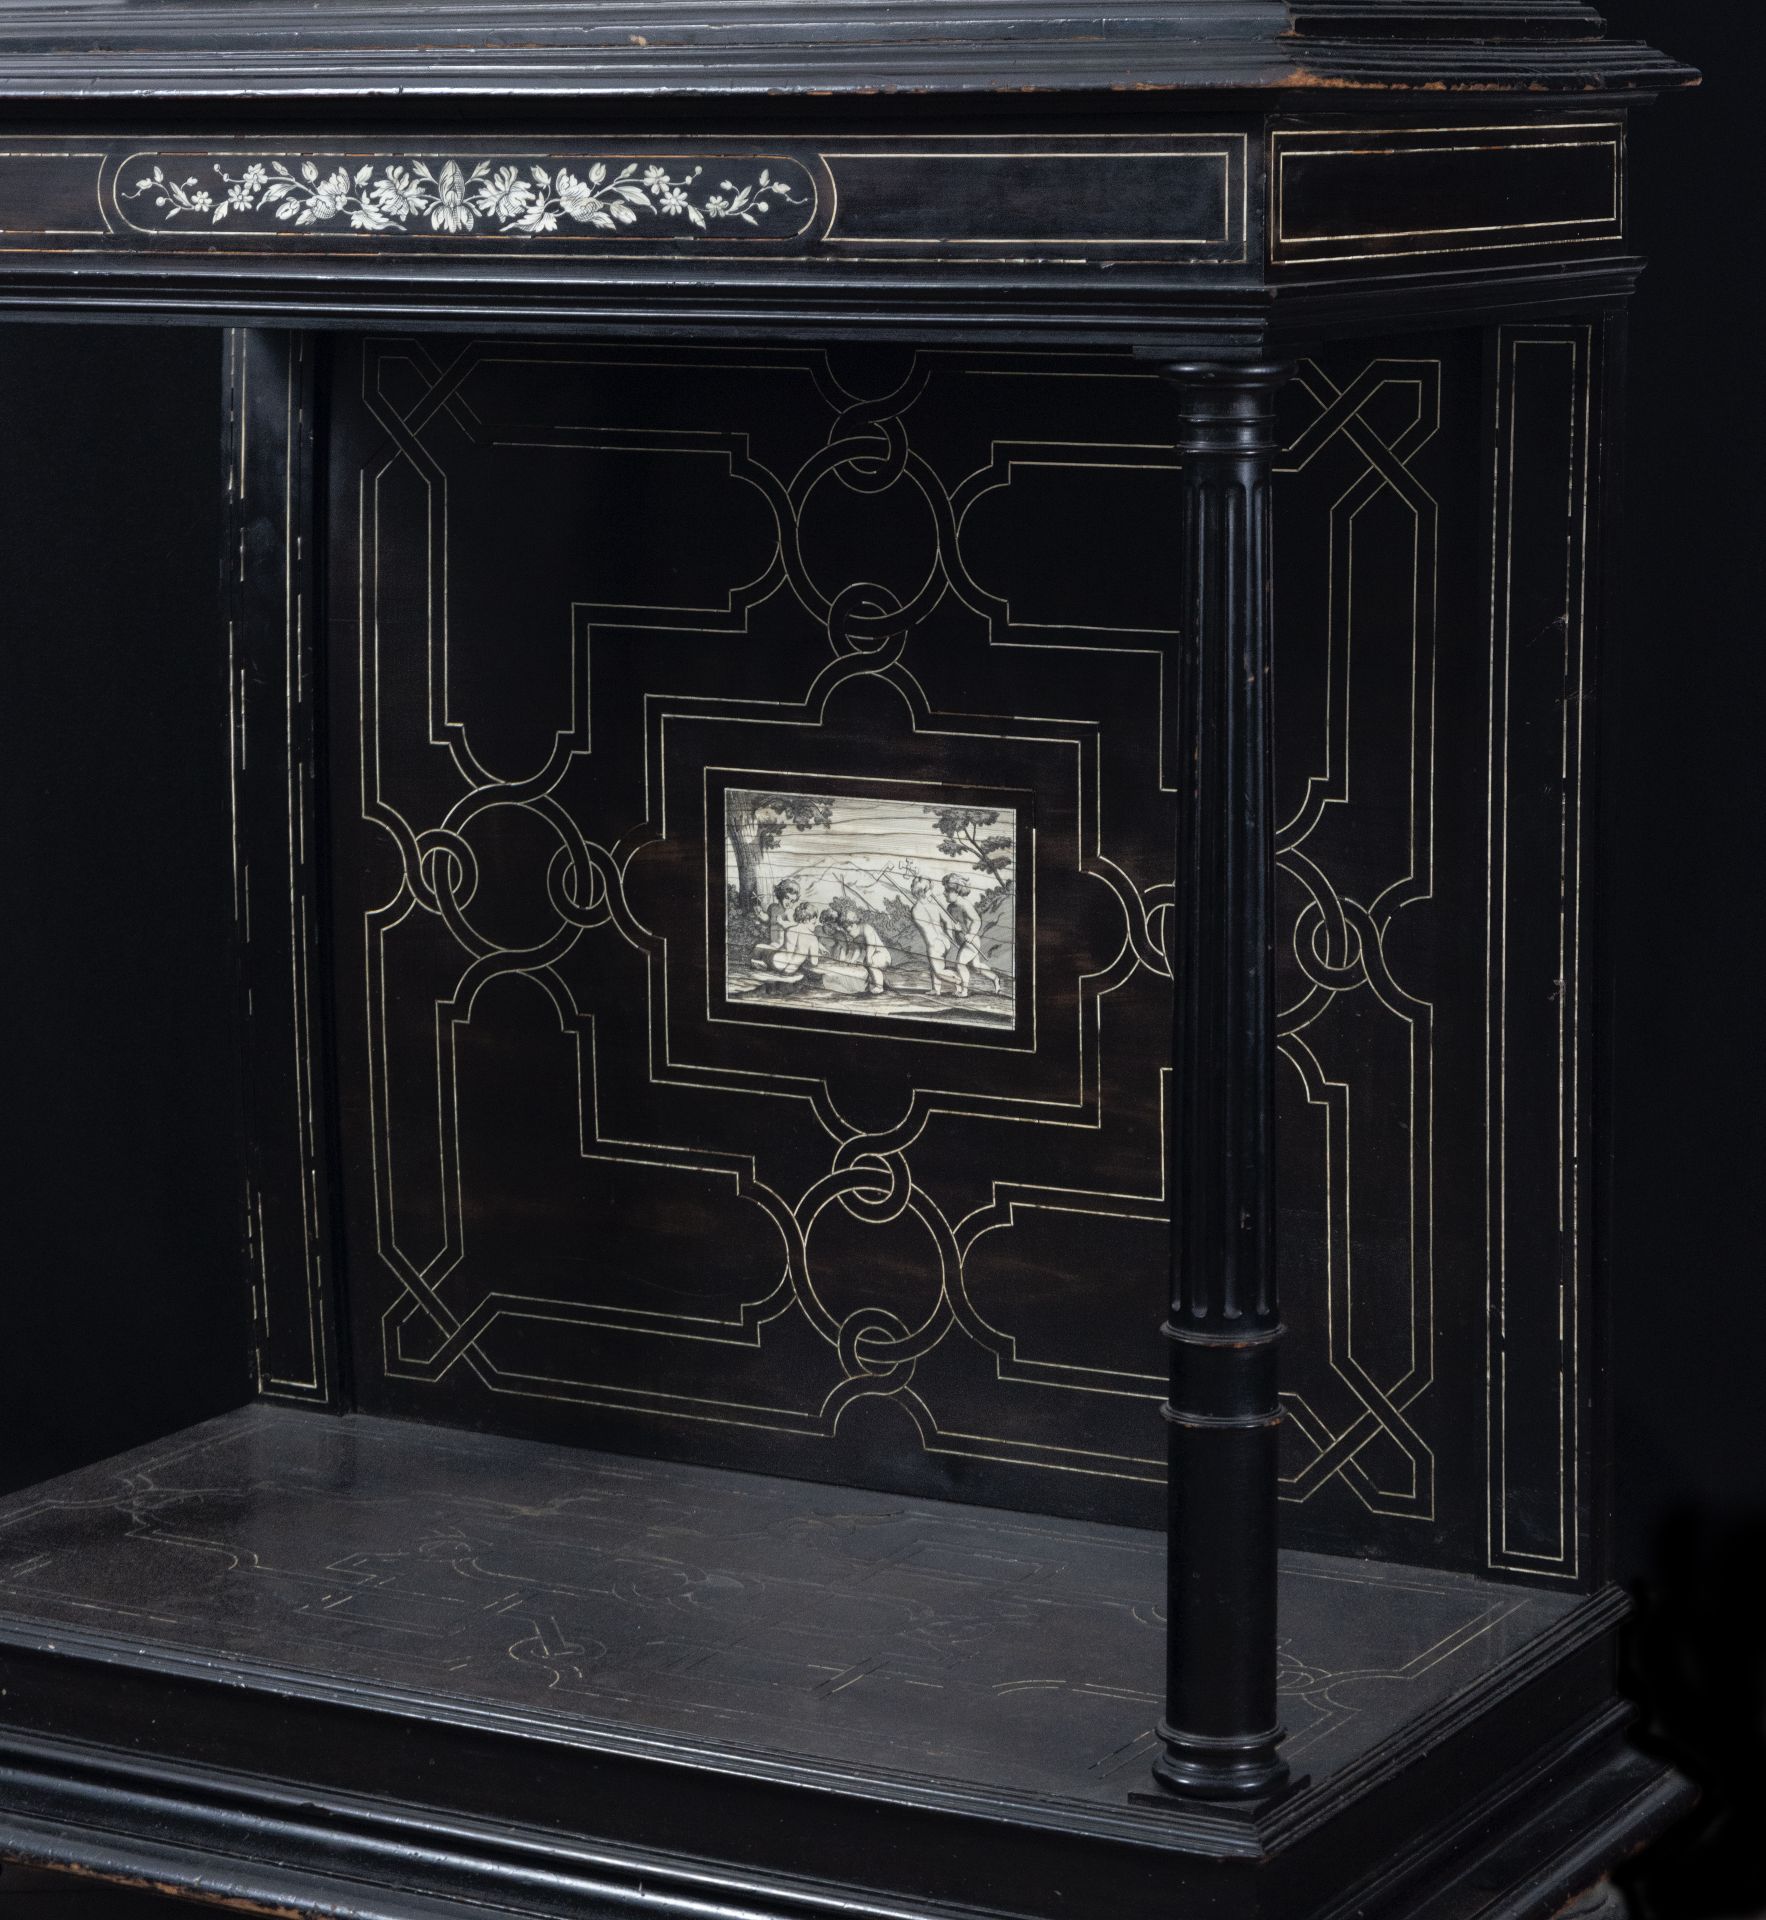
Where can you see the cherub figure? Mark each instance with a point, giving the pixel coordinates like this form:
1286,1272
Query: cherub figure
786,894
799,952
965,932
866,942
939,937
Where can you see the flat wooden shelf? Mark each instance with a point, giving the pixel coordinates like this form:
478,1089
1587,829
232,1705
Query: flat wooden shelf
605,1599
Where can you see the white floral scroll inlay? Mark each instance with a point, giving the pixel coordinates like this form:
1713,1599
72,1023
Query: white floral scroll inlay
502,197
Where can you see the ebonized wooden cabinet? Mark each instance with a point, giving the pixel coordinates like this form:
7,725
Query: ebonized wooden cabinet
908,1249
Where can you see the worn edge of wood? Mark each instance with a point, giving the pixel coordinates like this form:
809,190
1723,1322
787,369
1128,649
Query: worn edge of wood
723,53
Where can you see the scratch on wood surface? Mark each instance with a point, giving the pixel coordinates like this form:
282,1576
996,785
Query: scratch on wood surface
178,1890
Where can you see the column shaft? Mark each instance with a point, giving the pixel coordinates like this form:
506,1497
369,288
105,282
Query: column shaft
1220,1731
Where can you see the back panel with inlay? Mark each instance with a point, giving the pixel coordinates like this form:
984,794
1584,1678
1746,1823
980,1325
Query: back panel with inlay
753,799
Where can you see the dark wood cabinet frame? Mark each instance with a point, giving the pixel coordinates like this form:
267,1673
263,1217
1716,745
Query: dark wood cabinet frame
1216,186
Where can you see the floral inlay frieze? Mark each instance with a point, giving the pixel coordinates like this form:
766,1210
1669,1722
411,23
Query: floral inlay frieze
451,197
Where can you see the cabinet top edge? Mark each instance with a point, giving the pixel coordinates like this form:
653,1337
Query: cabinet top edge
158,52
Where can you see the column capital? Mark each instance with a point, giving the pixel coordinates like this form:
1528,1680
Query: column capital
1196,369
1228,405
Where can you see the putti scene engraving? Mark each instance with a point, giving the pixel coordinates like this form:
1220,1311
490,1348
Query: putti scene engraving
896,908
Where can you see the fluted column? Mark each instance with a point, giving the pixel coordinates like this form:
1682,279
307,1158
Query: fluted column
1220,1731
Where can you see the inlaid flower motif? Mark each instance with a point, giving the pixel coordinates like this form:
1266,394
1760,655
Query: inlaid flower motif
574,196
450,214
173,196
327,200
504,196
396,194
507,196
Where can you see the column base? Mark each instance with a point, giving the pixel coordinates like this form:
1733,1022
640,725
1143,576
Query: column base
1204,1768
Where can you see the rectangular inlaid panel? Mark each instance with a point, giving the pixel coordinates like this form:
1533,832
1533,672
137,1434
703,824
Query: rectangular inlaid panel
1186,193
274,716
879,902
1536,1185
753,802
1368,193
50,190
1183,198
597,1596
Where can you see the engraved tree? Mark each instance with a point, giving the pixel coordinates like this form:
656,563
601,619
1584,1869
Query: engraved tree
962,828
756,823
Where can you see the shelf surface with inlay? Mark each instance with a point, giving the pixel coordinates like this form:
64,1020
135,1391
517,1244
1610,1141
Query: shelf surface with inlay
612,1597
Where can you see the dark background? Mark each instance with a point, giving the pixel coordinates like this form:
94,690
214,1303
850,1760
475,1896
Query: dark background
1686,692
119,1095
1686,845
